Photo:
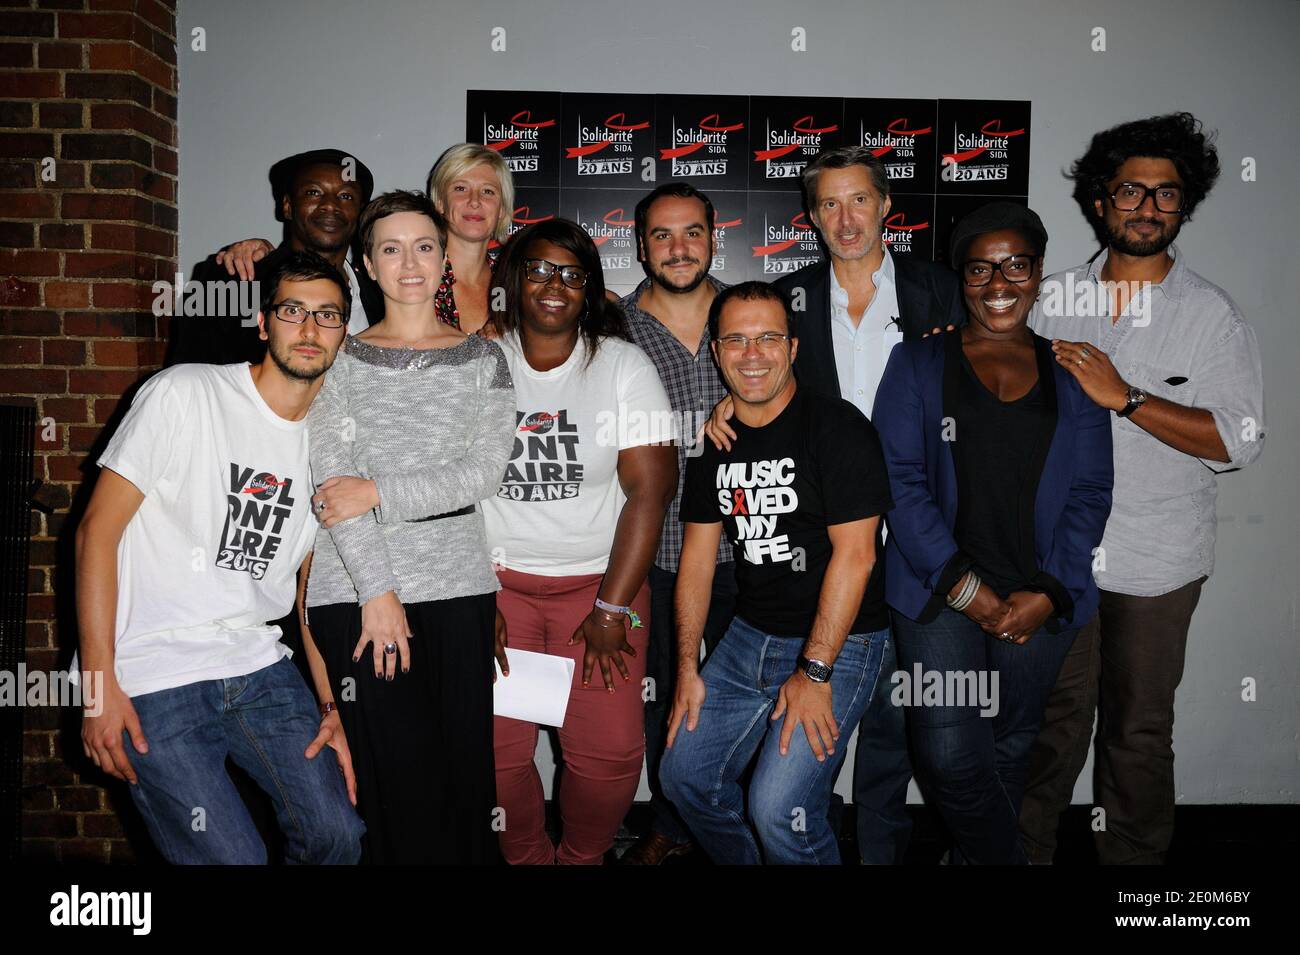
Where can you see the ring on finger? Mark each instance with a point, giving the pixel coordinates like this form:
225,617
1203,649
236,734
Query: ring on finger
390,648
320,507
1085,352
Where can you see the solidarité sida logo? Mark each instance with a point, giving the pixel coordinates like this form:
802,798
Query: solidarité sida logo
989,145
700,150
522,134
790,149
895,145
605,149
788,246
897,232
614,236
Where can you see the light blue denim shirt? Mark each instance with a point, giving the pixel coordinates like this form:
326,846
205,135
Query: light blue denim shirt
1186,342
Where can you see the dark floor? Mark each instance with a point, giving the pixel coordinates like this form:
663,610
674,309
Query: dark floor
1204,836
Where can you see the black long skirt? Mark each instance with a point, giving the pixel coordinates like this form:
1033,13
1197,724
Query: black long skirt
422,743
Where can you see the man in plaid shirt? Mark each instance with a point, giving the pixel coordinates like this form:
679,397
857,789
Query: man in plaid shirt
668,316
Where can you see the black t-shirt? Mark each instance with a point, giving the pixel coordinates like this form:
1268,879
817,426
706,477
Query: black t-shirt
995,460
816,464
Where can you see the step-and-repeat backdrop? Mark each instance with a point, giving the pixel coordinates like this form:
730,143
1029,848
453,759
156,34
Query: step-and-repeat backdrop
590,156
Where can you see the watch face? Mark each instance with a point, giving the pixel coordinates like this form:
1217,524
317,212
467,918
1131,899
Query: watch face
817,672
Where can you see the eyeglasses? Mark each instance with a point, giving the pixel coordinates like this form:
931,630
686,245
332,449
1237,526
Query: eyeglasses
540,270
1014,268
765,341
296,315
1129,197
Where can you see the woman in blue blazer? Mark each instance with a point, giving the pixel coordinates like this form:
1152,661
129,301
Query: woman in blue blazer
1001,473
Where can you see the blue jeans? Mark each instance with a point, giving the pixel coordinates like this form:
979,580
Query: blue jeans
788,795
264,722
972,766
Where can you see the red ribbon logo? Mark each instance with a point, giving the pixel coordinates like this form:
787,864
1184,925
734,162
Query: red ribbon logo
522,119
617,121
801,125
798,222
898,128
997,131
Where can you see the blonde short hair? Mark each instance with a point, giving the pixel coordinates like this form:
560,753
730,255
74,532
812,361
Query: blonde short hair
457,161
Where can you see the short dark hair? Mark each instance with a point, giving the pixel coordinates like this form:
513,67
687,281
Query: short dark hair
600,317
677,190
842,157
303,267
753,291
391,203
1178,137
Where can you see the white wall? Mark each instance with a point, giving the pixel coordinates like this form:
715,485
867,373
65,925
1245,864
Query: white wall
387,81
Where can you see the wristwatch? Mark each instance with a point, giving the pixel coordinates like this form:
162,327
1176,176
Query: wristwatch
816,670
1136,396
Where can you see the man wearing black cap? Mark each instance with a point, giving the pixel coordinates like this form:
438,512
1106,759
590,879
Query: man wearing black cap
320,195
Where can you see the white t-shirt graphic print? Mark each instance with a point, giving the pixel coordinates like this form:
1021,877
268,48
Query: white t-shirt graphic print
556,510
214,550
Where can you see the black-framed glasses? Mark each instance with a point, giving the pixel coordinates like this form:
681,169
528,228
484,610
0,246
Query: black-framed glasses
1129,197
1014,268
765,341
296,315
540,270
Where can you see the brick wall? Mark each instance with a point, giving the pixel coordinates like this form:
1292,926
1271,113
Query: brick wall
88,191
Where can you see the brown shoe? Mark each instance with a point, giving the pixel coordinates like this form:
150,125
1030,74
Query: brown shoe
654,849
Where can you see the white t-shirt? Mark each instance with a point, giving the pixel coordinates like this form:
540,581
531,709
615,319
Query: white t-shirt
214,550
556,510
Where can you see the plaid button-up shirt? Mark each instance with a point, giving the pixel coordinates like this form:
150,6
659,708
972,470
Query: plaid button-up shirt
694,388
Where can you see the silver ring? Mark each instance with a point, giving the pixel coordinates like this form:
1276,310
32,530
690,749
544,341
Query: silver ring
1086,353
1004,636
390,648
1078,361
320,507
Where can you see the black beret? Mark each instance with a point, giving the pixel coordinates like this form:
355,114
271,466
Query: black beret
994,217
284,171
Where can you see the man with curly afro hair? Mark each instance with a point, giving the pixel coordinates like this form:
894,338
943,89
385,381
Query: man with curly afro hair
1170,354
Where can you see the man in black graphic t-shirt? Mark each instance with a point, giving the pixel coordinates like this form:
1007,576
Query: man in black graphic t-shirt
800,497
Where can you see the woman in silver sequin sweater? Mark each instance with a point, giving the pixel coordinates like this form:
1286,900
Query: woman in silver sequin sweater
412,428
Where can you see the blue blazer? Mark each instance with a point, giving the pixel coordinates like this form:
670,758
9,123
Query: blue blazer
1071,502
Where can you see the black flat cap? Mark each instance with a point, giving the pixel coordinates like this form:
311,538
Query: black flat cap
994,217
284,171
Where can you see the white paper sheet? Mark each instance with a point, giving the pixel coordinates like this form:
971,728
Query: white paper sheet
537,689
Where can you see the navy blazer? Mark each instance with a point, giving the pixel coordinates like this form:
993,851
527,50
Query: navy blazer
1070,506
928,297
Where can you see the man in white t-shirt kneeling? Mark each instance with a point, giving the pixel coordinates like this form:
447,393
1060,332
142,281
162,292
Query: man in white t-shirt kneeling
193,539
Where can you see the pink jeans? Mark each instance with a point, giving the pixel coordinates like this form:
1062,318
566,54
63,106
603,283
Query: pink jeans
602,740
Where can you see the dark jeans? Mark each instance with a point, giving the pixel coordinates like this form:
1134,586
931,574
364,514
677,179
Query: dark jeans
661,666
881,772
971,741
1131,656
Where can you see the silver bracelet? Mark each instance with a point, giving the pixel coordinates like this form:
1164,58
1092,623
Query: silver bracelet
966,596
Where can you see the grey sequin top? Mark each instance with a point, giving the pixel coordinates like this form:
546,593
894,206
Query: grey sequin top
433,428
